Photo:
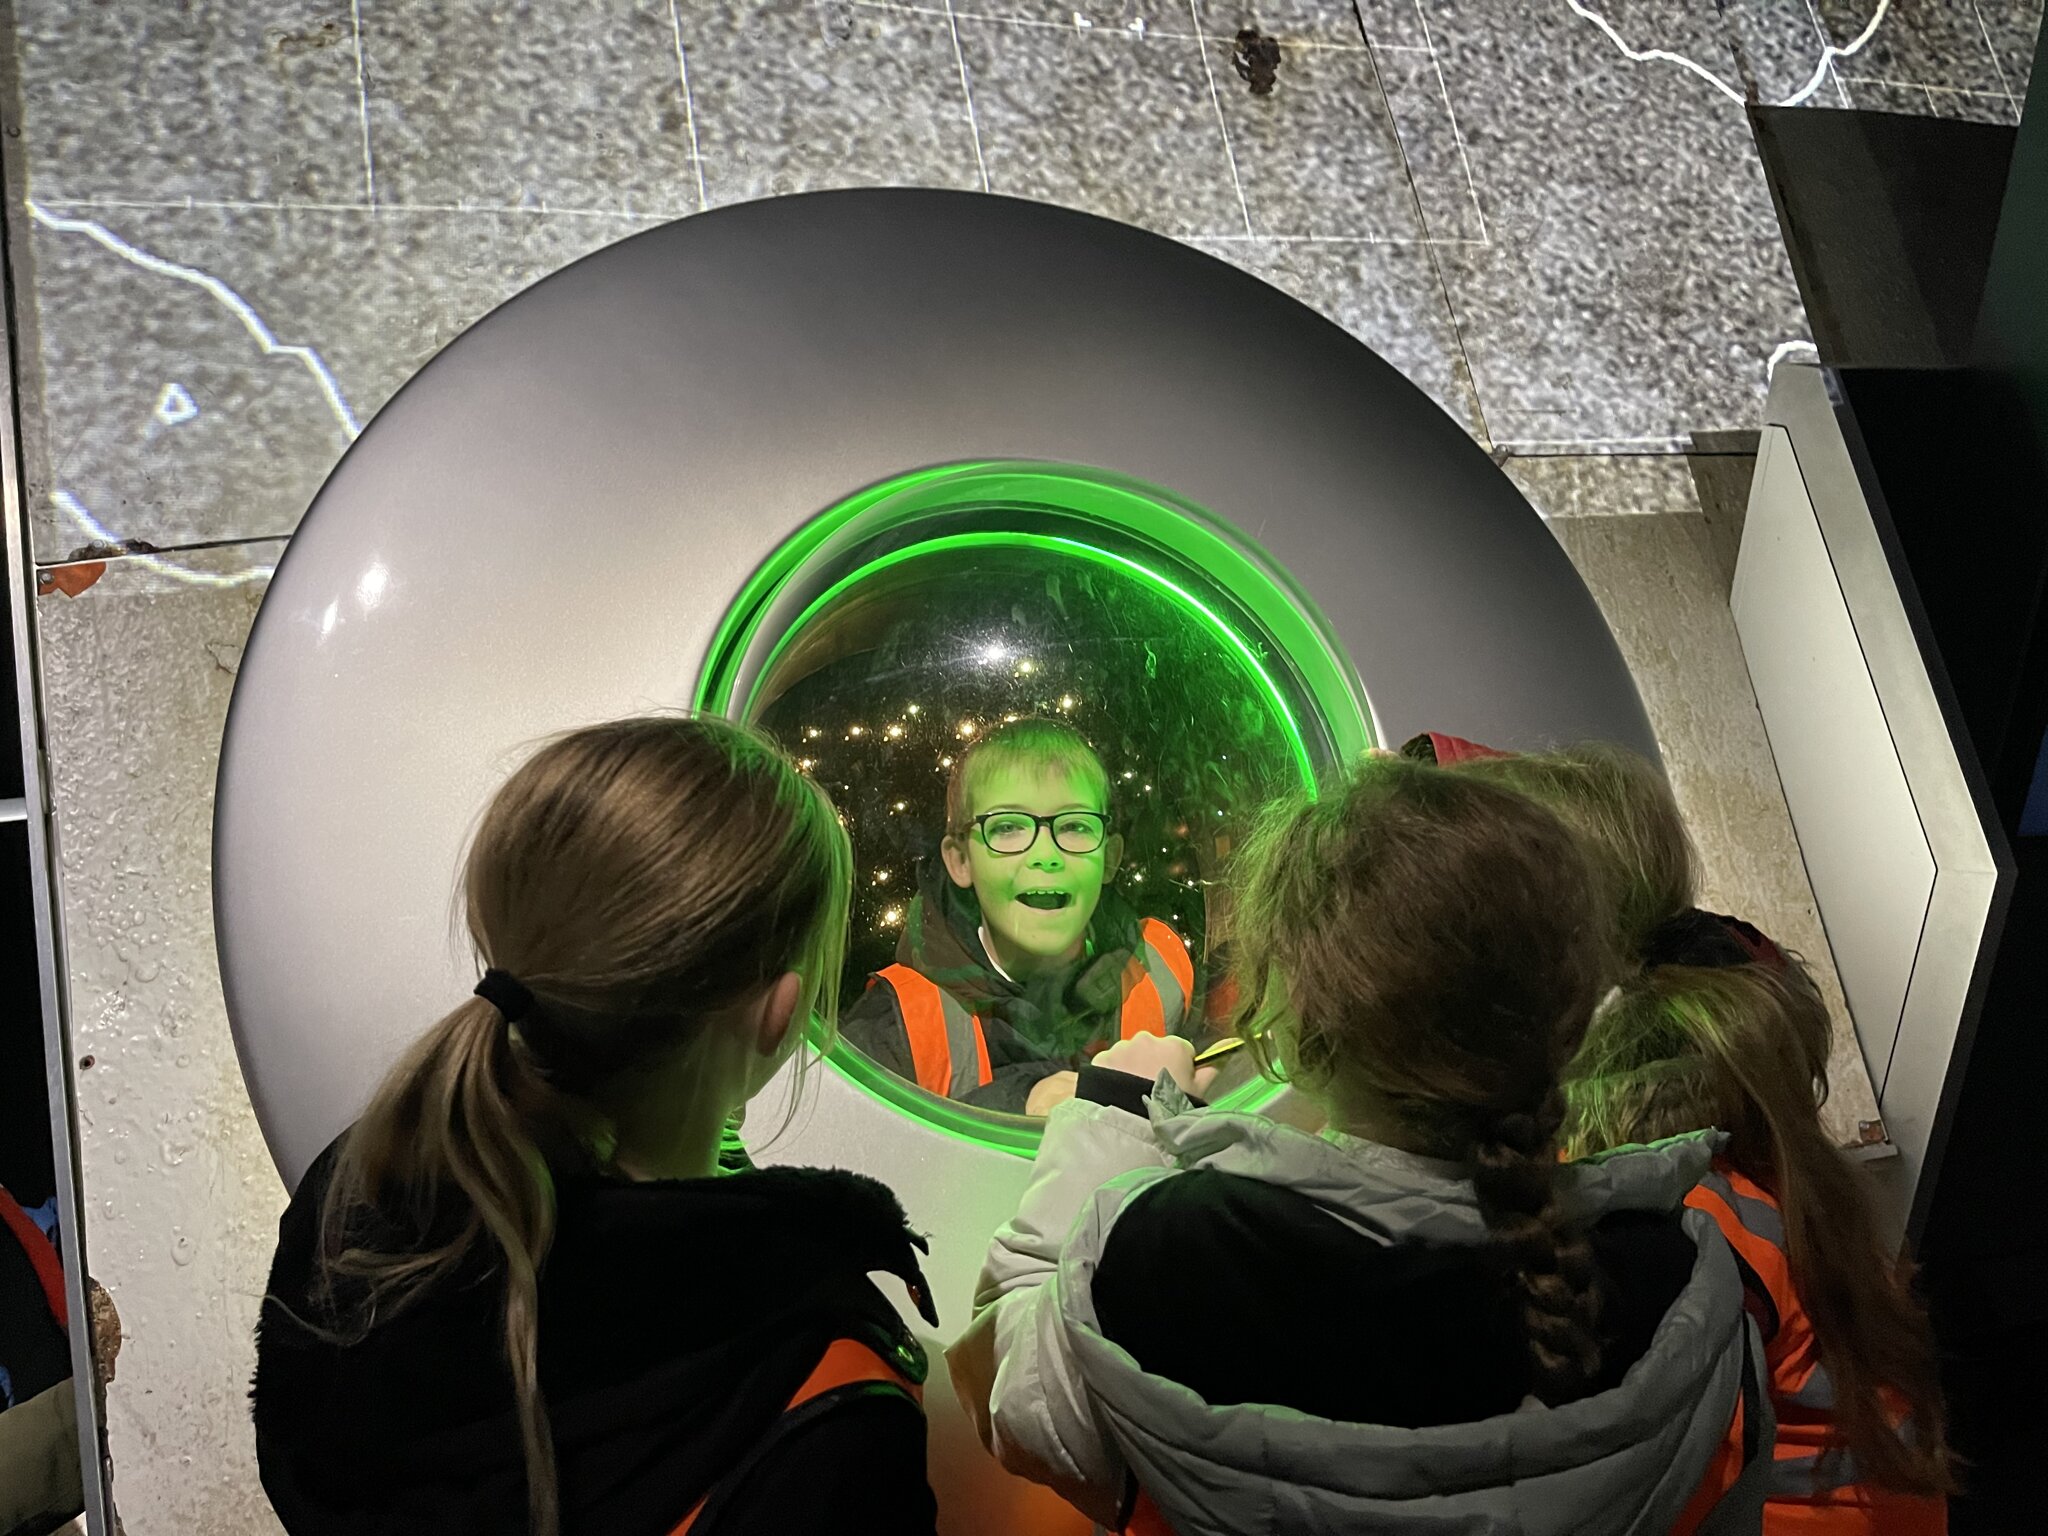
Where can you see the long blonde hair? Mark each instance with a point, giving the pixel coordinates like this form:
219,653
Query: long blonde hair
634,877
1742,1047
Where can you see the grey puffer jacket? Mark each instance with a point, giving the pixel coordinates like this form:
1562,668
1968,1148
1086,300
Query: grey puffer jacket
1067,1407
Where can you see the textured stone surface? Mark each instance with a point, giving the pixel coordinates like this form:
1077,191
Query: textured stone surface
1928,42
1604,485
1103,120
1317,157
181,1197
1432,146
792,96
151,301
1382,294
1634,283
472,102
1658,585
205,99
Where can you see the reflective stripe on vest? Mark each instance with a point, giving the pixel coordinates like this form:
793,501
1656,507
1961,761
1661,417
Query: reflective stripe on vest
846,1365
1810,1462
1158,983
949,1052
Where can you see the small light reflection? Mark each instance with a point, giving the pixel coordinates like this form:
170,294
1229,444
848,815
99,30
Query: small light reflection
371,585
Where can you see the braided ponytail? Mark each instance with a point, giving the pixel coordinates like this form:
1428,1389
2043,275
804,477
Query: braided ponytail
1515,1176
1424,950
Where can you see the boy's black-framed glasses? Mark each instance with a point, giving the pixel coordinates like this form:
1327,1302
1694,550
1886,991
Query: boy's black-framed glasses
1012,832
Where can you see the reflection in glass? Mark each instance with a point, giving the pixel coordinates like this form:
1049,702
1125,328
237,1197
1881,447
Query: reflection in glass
1074,891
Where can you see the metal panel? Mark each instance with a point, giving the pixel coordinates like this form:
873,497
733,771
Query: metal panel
1851,805
1891,815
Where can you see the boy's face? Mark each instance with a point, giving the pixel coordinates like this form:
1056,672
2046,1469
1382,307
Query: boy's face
1036,904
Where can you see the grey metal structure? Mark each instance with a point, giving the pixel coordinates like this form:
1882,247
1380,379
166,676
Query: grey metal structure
33,809
1908,864
701,392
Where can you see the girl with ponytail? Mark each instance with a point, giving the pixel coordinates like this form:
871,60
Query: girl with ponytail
1714,1025
1420,1319
518,1295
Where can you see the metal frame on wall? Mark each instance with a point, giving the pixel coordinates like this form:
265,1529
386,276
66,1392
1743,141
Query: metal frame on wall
34,810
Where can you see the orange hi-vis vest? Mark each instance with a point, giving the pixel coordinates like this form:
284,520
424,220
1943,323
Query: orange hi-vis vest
950,1053
1815,1488
848,1368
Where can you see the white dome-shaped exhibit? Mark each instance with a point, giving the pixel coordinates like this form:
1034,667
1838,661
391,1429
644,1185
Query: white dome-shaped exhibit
879,471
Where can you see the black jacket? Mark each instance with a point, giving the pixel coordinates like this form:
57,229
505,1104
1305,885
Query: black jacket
676,1321
1411,1334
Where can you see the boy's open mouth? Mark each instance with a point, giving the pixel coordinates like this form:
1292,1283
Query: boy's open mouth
1046,901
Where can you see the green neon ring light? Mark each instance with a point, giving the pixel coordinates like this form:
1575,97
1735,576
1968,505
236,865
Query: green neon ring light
1181,549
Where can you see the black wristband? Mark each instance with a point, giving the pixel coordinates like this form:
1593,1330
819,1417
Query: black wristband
1119,1090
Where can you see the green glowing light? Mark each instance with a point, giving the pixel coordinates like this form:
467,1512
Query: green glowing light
1257,616
1072,549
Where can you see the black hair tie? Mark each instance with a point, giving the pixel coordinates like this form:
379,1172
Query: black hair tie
506,993
1696,937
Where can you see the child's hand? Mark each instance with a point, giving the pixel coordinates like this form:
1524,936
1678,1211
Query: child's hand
1048,1093
1147,1056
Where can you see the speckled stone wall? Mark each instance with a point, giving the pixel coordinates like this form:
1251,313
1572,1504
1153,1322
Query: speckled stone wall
244,226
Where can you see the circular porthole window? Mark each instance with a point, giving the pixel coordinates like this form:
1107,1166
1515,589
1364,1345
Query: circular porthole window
1047,701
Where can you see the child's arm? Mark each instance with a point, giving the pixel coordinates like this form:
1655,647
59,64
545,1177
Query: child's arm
1011,1368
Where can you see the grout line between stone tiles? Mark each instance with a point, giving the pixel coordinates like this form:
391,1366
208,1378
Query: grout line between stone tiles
1443,285
1921,85
1565,447
1222,127
355,11
196,205
1834,67
1040,23
1997,64
1457,135
675,21
966,94
260,205
1333,239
